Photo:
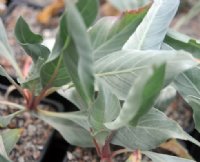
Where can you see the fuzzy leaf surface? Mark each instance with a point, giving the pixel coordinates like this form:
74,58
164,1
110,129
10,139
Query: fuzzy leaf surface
119,69
151,32
79,58
106,108
188,85
54,71
72,126
141,98
155,157
110,33
152,129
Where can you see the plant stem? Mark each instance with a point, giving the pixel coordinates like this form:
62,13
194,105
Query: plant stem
121,151
12,104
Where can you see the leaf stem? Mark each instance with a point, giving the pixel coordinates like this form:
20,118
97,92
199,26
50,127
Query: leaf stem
12,104
121,151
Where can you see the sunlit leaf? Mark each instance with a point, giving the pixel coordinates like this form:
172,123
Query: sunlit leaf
110,33
151,32
188,85
79,58
120,69
141,98
72,126
152,129
155,157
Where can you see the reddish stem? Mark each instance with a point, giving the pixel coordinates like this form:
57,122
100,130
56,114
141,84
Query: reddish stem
97,147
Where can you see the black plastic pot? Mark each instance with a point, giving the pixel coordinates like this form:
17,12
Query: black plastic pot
192,148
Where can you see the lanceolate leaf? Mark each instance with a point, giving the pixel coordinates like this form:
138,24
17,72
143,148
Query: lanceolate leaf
151,32
79,62
188,85
30,41
105,109
110,33
152,129
140,99
54,71
119,69
88,10
8,139
72,126
6,50
183,42
155,157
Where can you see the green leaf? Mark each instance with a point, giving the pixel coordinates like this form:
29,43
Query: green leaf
140,99
180,41
105,109
119,70
72,126
151,32
73,96
110,33
5,120
8,139
127,5
152,129
188,85
30,41
88,10
155,157
54,72
6,50
79,58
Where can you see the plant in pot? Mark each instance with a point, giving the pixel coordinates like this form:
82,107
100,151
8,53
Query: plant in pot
113,71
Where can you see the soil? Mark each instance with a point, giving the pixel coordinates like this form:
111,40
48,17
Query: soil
34,136
88,155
